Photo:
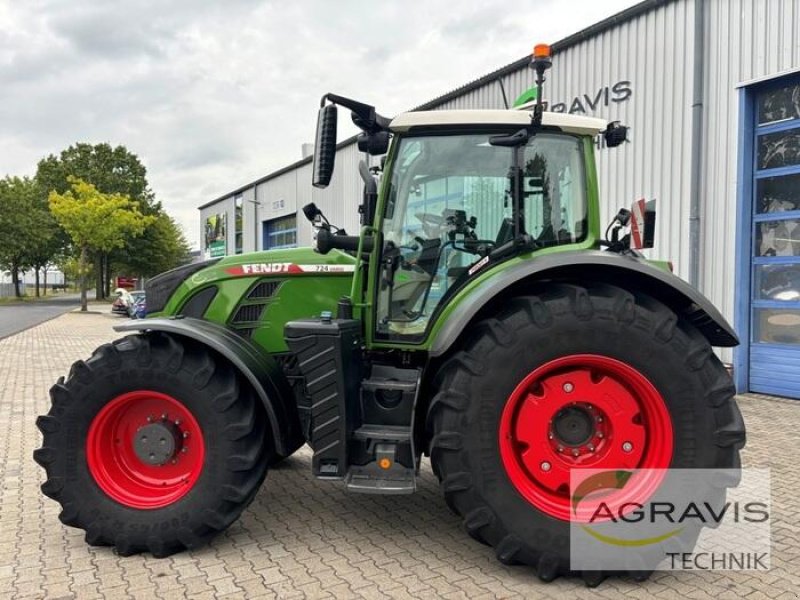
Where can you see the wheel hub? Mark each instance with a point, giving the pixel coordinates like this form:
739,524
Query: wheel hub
573,426
157,443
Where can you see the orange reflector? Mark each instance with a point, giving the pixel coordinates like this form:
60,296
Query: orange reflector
384,463
541,51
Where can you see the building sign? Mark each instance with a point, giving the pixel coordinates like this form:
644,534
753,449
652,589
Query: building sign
215,236
615,93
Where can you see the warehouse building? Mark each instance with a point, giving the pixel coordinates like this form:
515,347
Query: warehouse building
711,92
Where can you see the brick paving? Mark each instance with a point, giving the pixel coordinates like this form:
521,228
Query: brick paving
302,538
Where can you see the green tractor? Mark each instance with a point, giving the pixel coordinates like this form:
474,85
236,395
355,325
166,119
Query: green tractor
479,319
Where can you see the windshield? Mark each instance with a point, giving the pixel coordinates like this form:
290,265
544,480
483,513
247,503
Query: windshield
451,202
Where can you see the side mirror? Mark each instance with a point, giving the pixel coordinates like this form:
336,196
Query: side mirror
615,134
324,146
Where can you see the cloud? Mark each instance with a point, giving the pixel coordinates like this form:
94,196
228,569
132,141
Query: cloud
212,95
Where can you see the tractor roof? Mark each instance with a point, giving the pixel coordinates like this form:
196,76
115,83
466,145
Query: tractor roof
433,118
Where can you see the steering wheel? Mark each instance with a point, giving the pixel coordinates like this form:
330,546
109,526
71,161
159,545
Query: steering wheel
431,224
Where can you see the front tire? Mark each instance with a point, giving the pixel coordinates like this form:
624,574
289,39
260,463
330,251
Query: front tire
504,434
153,444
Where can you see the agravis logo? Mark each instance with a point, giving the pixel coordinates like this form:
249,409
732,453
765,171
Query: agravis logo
700,513
605,482
670,519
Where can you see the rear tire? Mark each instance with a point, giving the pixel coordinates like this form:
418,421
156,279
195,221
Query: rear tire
221,448
478,381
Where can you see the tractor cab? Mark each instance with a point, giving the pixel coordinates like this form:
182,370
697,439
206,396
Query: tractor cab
457,202
461,192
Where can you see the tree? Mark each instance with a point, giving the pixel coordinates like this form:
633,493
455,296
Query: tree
95,222
18,216
48,240
112,170
161,247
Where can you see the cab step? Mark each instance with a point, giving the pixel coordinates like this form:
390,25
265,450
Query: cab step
383,433
371,479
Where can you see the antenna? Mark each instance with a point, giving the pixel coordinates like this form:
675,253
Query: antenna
503,91
541,62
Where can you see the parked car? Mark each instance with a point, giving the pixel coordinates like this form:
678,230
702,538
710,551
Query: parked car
122,302
136,310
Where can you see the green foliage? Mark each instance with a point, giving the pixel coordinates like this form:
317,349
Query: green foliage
116,170
161,247
30,235
96,221
110,170
17,198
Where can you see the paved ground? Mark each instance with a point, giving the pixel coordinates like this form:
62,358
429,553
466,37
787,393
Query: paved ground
18,317
304,538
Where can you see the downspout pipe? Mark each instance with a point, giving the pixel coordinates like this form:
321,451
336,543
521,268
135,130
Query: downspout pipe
696,160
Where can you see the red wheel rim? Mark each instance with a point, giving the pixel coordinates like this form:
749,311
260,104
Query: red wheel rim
584,411
122,472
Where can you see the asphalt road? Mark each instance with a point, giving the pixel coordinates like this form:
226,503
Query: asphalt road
19,317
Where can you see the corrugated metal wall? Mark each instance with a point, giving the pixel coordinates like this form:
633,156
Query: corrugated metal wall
745,40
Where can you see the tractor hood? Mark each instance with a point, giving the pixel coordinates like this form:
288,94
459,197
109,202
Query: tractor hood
169,293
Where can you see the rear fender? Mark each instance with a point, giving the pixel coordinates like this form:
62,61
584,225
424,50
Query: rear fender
258,367
627,272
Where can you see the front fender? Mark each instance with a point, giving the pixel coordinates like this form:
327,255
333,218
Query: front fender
625,271
259,368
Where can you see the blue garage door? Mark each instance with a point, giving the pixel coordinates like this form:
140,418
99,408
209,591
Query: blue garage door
775,251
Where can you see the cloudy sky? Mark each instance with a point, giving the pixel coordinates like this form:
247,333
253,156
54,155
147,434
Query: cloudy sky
212,95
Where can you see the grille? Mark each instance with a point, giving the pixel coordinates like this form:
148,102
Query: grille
197,304
248,313
265,289
160,288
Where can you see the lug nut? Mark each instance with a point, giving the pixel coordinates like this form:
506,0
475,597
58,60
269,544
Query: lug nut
568,387
163,416
560,448
185,434
575,452
177,422
600,434
183,449
545,466
590,447
149,419
599,419
627,446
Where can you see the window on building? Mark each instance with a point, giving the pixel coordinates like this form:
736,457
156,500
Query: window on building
237,200
280,233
